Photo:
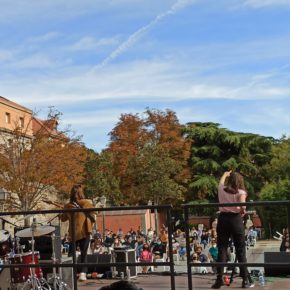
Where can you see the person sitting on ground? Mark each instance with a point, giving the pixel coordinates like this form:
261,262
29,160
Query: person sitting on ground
99,248
252,237
201,256
66,243
117,243
197,269
182,245
193,234
158,250
213,253
91,249
121,285
145,256
204,238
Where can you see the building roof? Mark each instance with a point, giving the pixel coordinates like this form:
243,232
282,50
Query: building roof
49,125
14,105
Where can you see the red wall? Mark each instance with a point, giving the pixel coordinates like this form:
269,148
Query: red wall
114,222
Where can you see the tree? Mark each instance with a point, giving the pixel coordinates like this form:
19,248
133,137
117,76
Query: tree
134,139
151,171
277,187
274,219
216,149
126,139
100,179
33,167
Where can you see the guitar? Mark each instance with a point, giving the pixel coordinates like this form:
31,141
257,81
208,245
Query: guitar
56,203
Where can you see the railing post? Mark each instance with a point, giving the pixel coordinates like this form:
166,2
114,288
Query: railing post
74,256
189,274
172,272
288,212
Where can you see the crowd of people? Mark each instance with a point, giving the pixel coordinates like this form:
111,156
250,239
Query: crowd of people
150,245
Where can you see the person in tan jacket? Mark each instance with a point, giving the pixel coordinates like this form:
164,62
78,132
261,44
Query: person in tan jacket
83,223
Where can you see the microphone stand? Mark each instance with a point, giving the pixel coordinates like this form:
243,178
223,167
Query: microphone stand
52,219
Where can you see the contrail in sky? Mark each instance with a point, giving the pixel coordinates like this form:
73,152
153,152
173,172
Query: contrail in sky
178,5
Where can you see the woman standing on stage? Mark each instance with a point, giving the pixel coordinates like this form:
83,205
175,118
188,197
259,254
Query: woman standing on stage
230,224
83,223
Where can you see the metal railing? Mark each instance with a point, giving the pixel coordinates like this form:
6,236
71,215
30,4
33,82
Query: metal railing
74,264
187,207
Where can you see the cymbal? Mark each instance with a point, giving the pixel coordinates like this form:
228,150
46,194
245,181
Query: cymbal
38,231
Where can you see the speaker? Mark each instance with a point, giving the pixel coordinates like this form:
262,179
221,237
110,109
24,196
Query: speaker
97,259
125,256
277,257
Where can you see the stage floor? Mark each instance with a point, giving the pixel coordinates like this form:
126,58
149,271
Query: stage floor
154,282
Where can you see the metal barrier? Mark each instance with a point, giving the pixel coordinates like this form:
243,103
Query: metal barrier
74,264
190,264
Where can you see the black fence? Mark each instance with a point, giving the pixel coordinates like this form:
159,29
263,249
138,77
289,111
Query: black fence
169,262
187,207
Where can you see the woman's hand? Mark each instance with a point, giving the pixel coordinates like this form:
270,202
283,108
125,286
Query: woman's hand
228,173
225,175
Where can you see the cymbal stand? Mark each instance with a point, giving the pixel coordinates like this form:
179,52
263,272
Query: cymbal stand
56,280
33,281
18,247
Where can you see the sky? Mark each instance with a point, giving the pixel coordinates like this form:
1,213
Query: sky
223,61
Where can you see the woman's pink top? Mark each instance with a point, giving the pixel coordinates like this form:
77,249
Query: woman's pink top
225,197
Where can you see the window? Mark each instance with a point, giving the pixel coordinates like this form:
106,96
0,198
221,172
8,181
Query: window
7,118
21,122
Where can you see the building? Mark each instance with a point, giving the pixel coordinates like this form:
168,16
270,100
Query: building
13,115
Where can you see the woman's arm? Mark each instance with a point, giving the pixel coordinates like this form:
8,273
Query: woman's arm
242,198
225,175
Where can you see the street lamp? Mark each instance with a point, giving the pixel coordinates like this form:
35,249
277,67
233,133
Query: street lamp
103,200
150,203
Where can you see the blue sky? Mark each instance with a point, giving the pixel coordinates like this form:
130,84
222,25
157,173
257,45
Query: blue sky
225,61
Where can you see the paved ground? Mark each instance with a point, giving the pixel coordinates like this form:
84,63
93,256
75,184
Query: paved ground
159,280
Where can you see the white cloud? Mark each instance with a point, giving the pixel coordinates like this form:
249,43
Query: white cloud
44,38
265,3
139,81
35,61
89,43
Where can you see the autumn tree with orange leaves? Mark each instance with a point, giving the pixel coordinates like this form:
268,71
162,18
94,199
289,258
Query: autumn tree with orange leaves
33,167
150,157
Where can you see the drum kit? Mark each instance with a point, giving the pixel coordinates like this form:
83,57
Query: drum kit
30,277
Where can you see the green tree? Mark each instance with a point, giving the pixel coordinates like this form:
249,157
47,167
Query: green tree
216,149
151,171
274,218
278,187
100,179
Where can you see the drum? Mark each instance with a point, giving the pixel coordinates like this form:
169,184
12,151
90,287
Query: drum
21,274
5,243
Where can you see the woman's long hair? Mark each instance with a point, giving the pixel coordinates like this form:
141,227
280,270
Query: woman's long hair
234,183
76,193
